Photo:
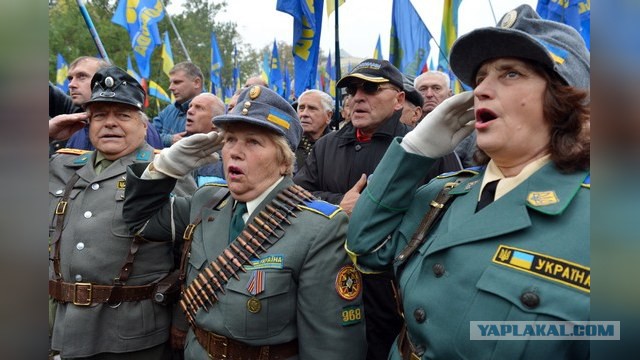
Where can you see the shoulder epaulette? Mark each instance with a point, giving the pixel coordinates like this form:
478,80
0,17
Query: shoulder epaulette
323,208
586,183
475,170
72,151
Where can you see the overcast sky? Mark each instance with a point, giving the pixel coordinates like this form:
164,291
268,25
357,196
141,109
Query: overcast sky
361,21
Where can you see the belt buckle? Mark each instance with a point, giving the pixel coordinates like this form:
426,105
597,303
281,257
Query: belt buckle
86,302
218,346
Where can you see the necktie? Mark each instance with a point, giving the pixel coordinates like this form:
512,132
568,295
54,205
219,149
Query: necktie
237,224
102,164
488,193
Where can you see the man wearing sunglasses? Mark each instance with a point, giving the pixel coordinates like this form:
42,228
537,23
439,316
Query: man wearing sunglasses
336,170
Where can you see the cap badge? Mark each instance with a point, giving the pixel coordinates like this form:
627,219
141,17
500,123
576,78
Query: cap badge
254,92
509,19
108,81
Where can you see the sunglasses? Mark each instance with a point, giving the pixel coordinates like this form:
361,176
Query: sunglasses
368,88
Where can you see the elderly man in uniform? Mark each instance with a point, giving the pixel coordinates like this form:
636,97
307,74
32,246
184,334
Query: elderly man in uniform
101,276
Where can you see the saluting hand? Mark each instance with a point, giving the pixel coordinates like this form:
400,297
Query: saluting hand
63,126
351,197
188,154
443,128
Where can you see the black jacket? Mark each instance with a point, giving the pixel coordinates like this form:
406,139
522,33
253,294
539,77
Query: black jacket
338,159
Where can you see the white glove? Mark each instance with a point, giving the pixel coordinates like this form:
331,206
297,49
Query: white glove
443,128
188,154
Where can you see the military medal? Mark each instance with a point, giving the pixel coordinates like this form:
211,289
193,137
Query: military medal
255,286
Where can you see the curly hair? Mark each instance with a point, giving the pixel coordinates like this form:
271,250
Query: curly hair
568,112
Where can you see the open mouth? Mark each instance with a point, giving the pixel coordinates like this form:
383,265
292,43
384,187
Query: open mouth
234,171
484,115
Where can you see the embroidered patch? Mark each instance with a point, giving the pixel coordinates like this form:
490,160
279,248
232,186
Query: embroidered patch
275,261
542,198
279,118
559,270
348,282
351,315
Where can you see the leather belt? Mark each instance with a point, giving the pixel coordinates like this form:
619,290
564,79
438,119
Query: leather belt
85,294
406,348
220,347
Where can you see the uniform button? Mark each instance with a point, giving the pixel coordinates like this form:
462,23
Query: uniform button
438,270
420,315
358,147
530,299
80,246
59,192
87,214
78,277
95,186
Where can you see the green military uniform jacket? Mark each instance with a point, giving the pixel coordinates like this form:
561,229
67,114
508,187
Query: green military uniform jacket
300,298
524,257
94,246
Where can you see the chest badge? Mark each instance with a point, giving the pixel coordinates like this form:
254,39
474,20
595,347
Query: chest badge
542,198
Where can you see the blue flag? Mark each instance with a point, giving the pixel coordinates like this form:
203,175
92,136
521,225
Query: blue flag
140,18
575,13
275,73
409,46
307,25
236,70
377,52
330,77
287,84
62,70
216,65
131,71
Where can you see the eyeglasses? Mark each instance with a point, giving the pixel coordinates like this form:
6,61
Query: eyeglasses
369,88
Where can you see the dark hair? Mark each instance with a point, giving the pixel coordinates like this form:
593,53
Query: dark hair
568,112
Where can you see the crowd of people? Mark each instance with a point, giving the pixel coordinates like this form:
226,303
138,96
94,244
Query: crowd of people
255,231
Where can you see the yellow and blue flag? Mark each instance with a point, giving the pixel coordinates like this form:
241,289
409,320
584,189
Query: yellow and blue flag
409,46
62,70
266,68
167,54
140,18
216,65
158,92
330,77
449,32
131,71
377,52
575,13
307,25
275,72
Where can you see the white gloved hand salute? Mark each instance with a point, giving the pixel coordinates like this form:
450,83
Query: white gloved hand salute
188,154
443,128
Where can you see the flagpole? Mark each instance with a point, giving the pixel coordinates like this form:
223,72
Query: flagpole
336,112
175,30
92,30
493,13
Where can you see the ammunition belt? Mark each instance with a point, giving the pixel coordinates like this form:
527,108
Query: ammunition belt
220,347
85,294
255,239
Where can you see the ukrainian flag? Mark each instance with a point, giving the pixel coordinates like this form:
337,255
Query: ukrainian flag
522,260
